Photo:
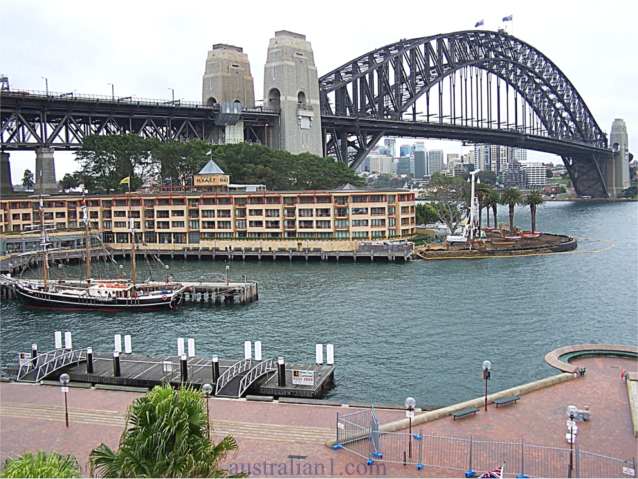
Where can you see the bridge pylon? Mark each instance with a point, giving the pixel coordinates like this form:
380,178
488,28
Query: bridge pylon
6,186
45,171
291,86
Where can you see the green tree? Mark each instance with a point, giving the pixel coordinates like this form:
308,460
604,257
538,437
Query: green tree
41,464
105,160
70,181
426,213
180,160
165,436
533,199
511,197
27,180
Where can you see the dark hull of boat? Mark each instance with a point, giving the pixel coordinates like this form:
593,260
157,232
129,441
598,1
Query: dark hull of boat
40,299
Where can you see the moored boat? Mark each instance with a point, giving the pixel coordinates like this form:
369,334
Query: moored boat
92,294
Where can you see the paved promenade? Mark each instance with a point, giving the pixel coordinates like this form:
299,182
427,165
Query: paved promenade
288,439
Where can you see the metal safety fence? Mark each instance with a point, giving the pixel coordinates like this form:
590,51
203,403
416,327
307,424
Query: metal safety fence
359,434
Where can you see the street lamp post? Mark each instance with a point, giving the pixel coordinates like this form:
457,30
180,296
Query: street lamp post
64,382
571,443
227,272
410,404
172,95
208,389
112,91
487,366
46,85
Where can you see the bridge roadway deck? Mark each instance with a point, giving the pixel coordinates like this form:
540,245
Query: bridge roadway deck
143,371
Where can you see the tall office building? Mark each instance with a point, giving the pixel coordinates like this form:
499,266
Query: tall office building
405,150
419,146
496,158
420,164
381,164
404,166
435,162
390,146
536,176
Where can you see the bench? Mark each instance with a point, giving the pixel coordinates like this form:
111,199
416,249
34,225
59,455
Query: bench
468,411
506,400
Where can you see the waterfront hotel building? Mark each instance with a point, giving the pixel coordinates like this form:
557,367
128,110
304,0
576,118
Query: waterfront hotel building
221,216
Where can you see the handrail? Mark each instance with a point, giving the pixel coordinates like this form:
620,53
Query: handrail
49,362
264,367
228,375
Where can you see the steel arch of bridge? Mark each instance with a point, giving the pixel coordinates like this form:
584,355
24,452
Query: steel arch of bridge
543,110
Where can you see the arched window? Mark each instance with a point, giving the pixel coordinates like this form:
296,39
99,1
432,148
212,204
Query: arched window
211,101
301,99
274,99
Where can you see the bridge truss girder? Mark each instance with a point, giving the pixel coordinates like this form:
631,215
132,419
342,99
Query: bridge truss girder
469,79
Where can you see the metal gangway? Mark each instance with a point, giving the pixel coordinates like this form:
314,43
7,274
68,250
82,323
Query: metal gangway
38,368
228,383
269,366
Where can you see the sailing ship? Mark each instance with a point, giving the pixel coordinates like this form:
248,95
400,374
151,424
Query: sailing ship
94,294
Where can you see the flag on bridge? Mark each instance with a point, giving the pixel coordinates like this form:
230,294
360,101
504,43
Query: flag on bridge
493,474
479,23
508,18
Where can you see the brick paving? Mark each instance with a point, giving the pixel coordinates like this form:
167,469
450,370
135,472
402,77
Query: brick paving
32,418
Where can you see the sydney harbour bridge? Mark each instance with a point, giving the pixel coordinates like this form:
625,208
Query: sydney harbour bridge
475,86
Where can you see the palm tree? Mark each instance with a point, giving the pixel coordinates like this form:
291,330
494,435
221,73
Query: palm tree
511,197
41,464
165,436
533,199
482,194
493,200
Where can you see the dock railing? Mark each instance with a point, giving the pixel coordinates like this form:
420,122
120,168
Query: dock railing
46,363
268,366
231,373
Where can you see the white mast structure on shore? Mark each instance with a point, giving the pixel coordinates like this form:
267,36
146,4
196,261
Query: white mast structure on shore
473,204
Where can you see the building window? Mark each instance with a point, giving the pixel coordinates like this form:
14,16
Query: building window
359,211
323,224
256,224
305,212
359,223
255,212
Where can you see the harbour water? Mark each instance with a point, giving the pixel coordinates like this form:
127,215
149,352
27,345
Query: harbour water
420,329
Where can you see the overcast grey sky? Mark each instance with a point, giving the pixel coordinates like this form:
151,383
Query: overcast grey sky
147,47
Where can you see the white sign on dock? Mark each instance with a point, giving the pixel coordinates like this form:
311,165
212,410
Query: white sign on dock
117,343
303,377
248,350
180,347
191,347
24,359
68,343
58,339
167,367
257,350
128,348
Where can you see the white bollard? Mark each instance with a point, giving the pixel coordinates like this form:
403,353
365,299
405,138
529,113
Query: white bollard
330,354
191,347
257,350
180,347
319,353
68,343
58,339
247,350
117,343
128,348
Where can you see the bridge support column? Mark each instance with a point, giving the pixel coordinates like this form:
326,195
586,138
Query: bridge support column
589,175
6,186
291,86
45,171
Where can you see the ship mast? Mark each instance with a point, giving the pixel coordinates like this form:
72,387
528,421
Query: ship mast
43,243
87,243
133,260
